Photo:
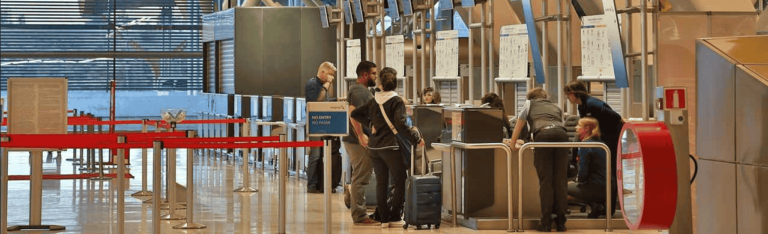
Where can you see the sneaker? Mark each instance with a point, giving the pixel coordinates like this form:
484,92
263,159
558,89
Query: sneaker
367,221
346,196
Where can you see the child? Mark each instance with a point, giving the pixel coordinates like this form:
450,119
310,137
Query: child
590,185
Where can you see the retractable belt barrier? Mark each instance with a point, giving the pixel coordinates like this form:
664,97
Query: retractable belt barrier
510,191
122,142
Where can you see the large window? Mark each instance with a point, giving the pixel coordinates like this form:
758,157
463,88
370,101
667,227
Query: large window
143,44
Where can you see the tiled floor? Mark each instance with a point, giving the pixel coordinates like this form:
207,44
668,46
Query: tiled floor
86,206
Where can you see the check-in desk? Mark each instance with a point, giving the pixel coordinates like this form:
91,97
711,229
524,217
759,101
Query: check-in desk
429,120
271,111
300,135
481,181
289,118
251,110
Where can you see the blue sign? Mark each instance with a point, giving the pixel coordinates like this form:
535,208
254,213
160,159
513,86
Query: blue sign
327,119
347,12
407,8
324,17
394,13
614,38
327,123
530,24
358,11
467,3
446,5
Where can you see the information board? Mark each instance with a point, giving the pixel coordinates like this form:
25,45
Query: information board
513,58
596,49
327,119
447,51
353,57
37,105
323,16
396,54
347,12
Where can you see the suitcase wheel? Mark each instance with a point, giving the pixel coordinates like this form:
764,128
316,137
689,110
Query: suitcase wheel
418,227
405,226
437,226
429,226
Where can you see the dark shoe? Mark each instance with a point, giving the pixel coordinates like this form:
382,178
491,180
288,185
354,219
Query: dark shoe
560,223
544,228
597,211
313,190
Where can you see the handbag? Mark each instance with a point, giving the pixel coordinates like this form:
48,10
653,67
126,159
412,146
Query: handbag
402,141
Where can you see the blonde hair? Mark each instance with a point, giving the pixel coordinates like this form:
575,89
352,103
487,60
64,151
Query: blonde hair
328,66
593,124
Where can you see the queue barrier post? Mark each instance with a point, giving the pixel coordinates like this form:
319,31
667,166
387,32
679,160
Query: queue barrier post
144,173
190,222
246,175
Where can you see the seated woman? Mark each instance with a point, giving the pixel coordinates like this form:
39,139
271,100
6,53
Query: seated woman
494,101
590,183
430,96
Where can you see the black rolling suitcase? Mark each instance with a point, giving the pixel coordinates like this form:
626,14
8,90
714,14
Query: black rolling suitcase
423,199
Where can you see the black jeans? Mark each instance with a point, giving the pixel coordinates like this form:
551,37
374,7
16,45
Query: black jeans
388,163
315,166
552,168
613,144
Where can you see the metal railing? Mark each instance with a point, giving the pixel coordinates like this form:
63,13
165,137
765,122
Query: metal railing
533,145
510,186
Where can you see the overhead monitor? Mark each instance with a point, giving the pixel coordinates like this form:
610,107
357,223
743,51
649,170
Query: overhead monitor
446,5
407,8
347,12
358,11
324,16
467,3
394,13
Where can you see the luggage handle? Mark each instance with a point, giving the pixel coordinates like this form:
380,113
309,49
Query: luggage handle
423,156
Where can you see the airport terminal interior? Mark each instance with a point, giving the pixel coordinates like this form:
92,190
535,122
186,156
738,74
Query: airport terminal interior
384,116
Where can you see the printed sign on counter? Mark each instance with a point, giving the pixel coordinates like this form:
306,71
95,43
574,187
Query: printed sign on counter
513,60
37,105
596,49
353,57
396,54
447,52
327,119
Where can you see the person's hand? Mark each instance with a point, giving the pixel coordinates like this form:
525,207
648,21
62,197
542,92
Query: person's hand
507,142
327,85
363,141
519,144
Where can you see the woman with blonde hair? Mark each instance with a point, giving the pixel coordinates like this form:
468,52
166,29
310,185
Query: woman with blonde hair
590,183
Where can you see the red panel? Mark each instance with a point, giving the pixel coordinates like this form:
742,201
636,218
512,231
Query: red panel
660,170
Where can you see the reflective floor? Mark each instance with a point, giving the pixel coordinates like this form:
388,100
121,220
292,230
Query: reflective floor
90,206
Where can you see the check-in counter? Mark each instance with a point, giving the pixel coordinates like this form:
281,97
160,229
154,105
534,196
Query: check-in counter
300,135
289,118
271,111
429,120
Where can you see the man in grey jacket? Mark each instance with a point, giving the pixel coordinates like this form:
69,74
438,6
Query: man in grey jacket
356,144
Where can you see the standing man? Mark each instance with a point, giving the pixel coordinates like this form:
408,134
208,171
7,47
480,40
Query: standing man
356,144
320,89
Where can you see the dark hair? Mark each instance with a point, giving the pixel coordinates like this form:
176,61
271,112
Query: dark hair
578,88
435,95
537,93
493,100
388,79
364,66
